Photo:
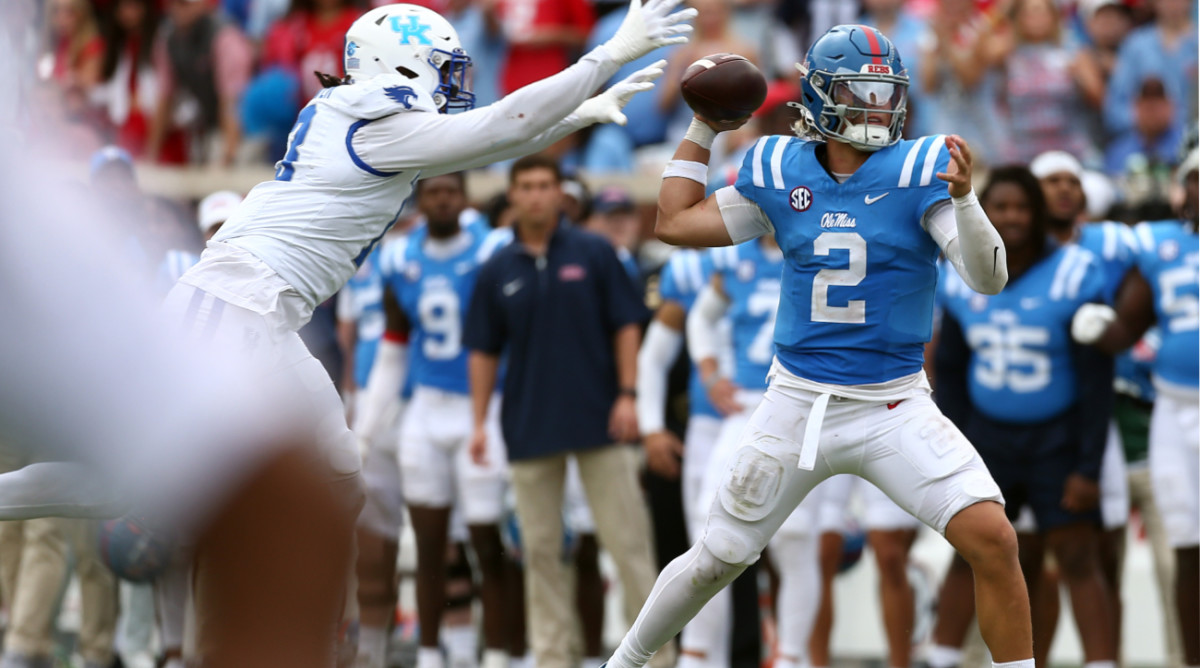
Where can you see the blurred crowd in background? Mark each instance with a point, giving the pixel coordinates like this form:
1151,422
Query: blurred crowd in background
219,82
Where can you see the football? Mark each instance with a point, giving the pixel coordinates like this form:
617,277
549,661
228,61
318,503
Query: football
723,87
133,551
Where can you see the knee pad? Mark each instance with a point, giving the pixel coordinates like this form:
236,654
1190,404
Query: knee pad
752,486
730,547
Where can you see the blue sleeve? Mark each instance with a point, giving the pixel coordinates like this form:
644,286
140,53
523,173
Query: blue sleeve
485,329
623,301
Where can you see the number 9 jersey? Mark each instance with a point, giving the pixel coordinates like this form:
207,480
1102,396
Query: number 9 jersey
859,277
432,281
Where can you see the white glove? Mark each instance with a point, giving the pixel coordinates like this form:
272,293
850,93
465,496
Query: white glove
647,28
606,107
1090,321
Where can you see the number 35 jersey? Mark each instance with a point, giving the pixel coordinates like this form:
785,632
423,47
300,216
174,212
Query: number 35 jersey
1169,259
1022,369
433,282
750,276
859,278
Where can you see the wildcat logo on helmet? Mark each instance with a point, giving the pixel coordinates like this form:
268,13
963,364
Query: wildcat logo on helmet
351,49
401,94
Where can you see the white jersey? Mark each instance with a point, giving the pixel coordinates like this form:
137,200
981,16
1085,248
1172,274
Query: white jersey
353,159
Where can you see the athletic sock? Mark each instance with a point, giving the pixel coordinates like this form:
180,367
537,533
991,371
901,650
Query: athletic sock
495,658
429,657
1024,663
943,656
372,646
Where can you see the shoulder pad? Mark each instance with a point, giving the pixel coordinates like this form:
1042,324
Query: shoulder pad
922,159
379,96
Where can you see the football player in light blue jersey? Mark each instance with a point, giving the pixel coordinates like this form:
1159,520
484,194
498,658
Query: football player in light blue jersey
860,215
360,306
1165,290
429,277
1035,403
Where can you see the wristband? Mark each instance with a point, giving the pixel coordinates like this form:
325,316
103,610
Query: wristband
627,392
700,134
687,169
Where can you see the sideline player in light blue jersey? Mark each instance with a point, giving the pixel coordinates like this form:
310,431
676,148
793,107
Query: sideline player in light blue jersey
1061,177
1165,290
1035,404
680,282
860,216
745,288
429,277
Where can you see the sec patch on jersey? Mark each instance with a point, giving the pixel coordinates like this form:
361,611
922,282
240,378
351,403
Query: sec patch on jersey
723,87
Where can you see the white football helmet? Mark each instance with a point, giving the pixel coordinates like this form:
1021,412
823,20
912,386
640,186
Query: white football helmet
416,42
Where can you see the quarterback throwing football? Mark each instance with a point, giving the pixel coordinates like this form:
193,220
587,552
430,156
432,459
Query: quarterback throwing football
861,216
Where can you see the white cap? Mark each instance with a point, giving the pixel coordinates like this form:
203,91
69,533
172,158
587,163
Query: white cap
216,208
1053,162
1100,194
1088,8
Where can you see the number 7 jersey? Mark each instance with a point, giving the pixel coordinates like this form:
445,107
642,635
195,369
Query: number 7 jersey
859,274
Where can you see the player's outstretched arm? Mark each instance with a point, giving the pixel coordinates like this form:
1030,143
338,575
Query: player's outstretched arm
685,216
607,107
403,141
974,247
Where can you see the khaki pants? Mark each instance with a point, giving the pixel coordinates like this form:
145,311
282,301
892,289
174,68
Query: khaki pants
98,593
1141,496
33,569
610,480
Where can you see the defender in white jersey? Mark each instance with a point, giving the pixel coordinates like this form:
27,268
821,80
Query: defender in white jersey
353,156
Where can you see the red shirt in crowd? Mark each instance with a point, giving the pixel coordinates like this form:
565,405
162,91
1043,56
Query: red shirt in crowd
526,24
303,44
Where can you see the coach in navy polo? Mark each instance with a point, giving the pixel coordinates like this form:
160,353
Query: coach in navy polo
557,304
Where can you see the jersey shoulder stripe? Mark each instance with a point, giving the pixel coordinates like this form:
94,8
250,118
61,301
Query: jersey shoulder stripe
494,241
924,151
392,256
781,144
1073,264
756,162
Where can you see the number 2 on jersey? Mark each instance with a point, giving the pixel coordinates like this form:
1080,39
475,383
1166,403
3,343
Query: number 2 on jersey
855,310
286,168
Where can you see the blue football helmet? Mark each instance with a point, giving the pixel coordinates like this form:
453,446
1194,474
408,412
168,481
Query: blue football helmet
854,88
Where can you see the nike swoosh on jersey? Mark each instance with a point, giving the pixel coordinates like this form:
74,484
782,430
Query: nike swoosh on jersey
894,403
871,200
